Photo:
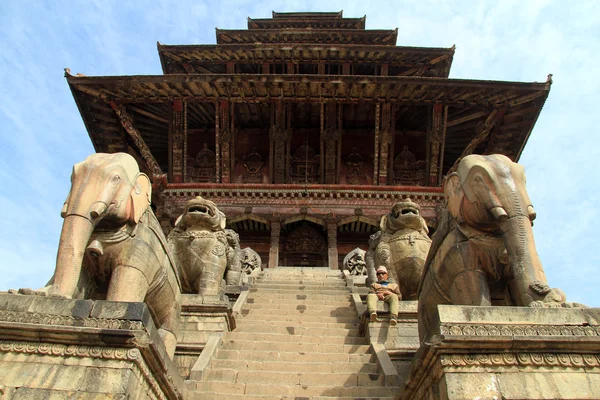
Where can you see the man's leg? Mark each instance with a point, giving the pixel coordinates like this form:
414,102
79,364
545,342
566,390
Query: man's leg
392,300
372,306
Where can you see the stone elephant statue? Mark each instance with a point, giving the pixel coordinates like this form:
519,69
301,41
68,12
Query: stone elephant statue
402,247
484,246
200,247
354,262
111,244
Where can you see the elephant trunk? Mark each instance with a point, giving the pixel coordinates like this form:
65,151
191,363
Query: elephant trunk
75,234
524,263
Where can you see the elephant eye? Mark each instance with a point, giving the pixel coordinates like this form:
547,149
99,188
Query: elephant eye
116,178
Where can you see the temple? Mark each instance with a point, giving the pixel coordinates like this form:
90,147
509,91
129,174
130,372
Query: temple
304,129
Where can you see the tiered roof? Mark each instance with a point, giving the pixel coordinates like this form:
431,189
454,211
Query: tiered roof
307,58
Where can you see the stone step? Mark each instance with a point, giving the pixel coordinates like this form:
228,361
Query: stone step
315,367
295,296
300,310
245,323
294,378
296,285
304,281
297,306
266,300
308,391
293,356
263,332
305,344
218,396
264,317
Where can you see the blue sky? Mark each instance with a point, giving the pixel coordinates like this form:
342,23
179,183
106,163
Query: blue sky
42,134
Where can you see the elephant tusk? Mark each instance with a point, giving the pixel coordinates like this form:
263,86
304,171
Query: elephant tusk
499,213
98,209
95,248
531,212
63,212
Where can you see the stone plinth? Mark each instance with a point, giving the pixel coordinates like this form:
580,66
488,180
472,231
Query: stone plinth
401,342
202,317
509,353
58,348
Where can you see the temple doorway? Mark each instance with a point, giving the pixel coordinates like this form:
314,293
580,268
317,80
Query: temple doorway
304,245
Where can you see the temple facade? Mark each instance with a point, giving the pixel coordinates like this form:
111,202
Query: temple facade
304,129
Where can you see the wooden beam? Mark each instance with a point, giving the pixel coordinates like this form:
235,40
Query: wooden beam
127,123
483,130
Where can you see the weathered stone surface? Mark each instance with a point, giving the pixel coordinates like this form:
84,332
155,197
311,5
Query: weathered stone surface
508,352
52,354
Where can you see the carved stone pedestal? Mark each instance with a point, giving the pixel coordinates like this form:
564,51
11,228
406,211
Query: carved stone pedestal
509,353
57,348
202,318
400,342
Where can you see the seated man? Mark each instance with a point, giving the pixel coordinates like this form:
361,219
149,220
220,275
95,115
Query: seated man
384,290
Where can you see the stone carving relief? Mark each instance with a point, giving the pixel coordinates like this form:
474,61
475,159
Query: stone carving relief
305,165
354,262
402,246
112,246
253,164
200,247
354,166
251,264
485,235
202,168
407,170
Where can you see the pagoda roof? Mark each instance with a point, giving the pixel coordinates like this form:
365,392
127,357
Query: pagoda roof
367,36
148,98
417,60
304,21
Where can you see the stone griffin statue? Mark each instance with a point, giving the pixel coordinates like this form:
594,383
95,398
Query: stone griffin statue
200,247
354,262
484,244
401,247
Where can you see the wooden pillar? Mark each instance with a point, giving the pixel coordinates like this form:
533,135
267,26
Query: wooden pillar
384,69
346,69
321,68
274,249
280,143
331,138
176,141
385,141
436,138
390,180
230,67
322,142
339,142
266,67
217,143
225,138
376,149
332,250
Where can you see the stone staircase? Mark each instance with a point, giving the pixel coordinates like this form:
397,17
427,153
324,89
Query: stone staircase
296,338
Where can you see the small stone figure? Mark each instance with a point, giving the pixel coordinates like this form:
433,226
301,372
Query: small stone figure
251,265
354,262
383,290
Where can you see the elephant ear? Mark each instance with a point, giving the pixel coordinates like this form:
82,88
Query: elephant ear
140,196
452,193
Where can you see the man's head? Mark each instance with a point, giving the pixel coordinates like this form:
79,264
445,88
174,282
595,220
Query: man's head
381,273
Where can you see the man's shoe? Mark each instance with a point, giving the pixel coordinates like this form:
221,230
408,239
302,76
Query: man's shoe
393,321
373,317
